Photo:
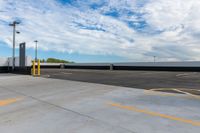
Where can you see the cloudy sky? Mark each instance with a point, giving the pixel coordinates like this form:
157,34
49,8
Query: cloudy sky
104,30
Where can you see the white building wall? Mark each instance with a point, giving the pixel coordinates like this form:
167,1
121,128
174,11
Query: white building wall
3,61
28,61
8,61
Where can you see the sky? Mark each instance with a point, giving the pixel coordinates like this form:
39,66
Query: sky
104,30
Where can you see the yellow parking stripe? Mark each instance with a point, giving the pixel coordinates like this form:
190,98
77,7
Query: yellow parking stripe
9,101
131,108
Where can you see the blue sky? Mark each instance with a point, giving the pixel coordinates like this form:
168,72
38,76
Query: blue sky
104,30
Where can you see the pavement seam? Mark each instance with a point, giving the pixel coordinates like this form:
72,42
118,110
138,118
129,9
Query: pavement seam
152,91
187,93
65,109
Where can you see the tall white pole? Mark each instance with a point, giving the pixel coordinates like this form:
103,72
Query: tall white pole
13,55
13,52
36,48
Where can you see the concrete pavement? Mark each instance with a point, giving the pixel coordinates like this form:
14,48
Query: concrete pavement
42,105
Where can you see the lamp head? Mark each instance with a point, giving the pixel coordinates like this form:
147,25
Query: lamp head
16,22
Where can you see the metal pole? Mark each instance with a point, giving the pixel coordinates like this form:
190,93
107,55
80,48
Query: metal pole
36,52
36,49
13,58
13,55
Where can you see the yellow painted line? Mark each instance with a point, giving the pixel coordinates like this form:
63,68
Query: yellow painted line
9,101
131,108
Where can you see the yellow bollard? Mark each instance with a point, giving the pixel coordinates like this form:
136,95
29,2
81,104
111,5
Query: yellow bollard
38,65
33,70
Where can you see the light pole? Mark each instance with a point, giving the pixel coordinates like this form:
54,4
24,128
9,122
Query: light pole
36,41
154,59
13,24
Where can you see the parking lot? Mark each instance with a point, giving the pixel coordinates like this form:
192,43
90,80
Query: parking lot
48,105
134,79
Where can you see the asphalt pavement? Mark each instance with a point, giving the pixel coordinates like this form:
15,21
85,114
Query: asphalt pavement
135,79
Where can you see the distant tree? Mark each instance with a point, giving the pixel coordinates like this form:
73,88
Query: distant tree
42,61
54,60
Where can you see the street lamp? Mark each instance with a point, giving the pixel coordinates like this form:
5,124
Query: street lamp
36,41
13,24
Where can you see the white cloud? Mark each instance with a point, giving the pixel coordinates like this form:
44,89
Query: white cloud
178,20
64,28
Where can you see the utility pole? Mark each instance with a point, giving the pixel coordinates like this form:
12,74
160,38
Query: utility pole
13,24
36,47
